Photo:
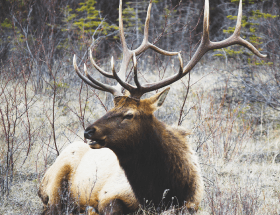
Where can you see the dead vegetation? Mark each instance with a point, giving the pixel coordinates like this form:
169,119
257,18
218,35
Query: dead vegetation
238,154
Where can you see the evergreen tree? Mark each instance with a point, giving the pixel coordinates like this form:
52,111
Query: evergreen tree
250,31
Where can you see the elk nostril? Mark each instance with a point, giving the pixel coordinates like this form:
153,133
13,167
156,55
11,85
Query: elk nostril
89,132
92,131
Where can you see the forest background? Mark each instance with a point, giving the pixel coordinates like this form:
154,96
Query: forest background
230,101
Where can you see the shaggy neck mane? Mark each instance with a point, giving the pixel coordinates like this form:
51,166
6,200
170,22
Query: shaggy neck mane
161,163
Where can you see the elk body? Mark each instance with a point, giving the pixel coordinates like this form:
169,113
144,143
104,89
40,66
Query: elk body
83,178
158,162
155,157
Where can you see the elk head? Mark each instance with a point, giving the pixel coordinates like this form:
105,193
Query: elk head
127,119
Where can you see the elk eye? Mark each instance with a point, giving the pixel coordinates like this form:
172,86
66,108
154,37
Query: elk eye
128,116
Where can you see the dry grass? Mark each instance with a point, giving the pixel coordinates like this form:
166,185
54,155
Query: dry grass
238,156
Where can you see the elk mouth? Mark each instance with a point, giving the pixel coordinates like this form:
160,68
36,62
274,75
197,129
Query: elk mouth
96,144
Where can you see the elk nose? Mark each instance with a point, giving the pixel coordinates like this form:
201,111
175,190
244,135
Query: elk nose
89,132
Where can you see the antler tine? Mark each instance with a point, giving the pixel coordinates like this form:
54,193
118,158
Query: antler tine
145,43
205,35
239,20
92,82
161,51
121,27
180,73
135,72
109,88
125,85
108,75
83,78
146,28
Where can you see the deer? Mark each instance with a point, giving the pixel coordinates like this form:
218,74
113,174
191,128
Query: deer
89,180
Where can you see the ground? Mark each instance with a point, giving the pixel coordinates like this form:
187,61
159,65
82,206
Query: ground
237,153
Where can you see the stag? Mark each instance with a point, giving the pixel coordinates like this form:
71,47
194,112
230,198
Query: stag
82,179
155,157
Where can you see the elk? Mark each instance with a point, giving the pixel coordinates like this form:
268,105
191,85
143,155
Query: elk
157,161
155,157
85,179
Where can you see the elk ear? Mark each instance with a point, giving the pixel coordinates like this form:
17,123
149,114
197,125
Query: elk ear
157,100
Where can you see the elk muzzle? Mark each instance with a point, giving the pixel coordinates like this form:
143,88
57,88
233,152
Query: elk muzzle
89,132
97,139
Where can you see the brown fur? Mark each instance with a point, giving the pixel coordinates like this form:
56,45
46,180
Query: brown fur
155,157
93,178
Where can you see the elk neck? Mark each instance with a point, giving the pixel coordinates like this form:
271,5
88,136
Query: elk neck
158,160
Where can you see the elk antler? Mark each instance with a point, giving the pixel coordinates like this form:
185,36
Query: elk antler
139,90
127,55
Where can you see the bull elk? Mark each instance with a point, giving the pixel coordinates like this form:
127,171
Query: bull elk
157,160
